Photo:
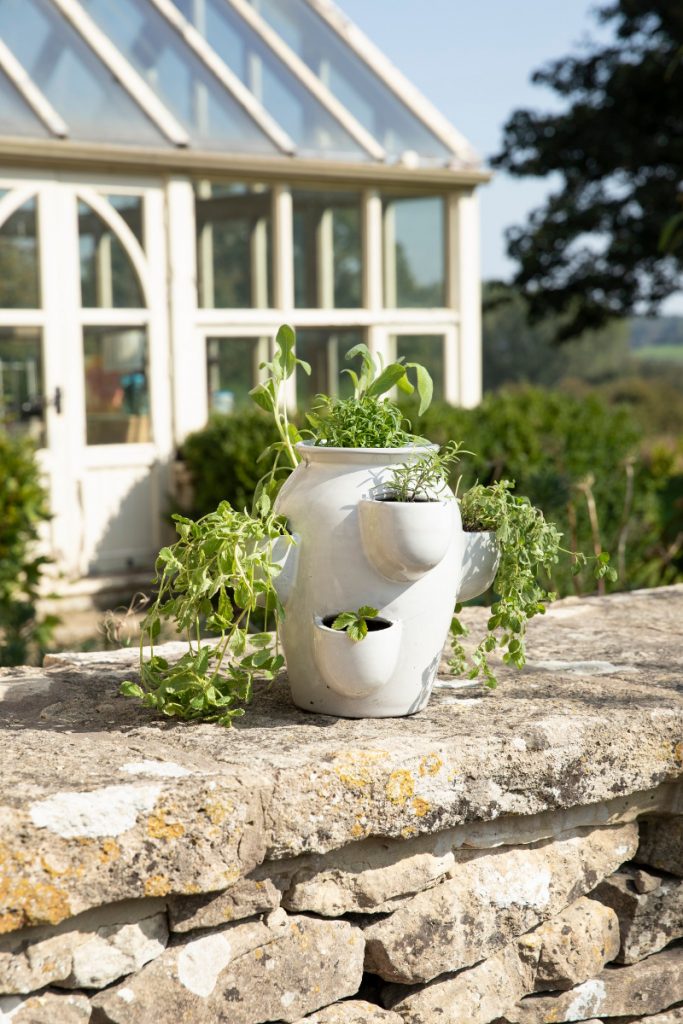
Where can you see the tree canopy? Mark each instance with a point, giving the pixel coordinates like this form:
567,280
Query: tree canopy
594,250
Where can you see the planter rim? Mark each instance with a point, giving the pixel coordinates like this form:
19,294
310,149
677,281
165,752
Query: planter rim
310,452
429,503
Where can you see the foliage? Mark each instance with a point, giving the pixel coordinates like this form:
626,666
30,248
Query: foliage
424,476
359,423
355,623
367,420
528,545
594,250
269,396
222,458
580,461
516,351
23,510
216,574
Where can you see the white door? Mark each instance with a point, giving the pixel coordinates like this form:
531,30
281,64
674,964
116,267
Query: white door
99,389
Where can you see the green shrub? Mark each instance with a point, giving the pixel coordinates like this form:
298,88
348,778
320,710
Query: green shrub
223,460
23,508
581,461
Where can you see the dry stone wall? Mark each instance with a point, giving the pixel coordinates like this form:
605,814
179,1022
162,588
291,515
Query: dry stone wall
513,858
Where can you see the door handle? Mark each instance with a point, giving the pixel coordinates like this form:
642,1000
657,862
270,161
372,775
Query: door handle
37,404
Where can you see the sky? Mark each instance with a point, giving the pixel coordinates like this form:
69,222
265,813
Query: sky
473,60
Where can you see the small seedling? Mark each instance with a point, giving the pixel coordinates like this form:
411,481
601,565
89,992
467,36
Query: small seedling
355,623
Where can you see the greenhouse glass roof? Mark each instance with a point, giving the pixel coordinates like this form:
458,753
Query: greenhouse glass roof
248,77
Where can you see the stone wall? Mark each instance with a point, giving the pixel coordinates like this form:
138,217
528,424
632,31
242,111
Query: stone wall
514,856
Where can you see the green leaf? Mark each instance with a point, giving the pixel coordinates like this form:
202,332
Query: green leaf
344,620
367,612
387,379
129,689
425,387
263,399
286,340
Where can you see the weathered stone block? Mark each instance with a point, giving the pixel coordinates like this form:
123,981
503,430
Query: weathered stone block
648,921
251,972
244,899
473,996
491,898
661,844
49,1008
89,951
352,1011
572,947
374,876
649,986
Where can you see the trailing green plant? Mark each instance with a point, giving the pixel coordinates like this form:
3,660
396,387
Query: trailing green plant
24,509
425,476
367,420
355,624
214,578
529,545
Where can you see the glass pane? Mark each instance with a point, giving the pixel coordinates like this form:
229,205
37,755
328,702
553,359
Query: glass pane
79,86
21,382
207,110
327,249
325,350
116,388
294,108
234,228
351,80
19,273
414,251
232,370
129,209
108,279
426,349
16,117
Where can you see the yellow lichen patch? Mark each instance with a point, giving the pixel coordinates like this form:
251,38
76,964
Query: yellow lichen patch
408,831
218,810
400,786
678,753
354,767
110,851
420,807
430,764
159,827
157,885
258,954
357,831
31,903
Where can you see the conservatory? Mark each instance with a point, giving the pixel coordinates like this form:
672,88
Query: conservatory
177,178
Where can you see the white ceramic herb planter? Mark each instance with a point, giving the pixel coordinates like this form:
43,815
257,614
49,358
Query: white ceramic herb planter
480,560
356,668
328,571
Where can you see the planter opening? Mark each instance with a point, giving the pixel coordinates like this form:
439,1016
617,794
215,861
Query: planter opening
374,625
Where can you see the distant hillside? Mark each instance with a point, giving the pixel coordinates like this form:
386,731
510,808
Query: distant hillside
651,332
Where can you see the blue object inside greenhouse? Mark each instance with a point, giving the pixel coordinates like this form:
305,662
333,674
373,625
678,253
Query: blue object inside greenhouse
352,114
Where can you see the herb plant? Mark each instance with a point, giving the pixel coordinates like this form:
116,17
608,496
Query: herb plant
425,476
367,420
216,575
355,623
529,545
